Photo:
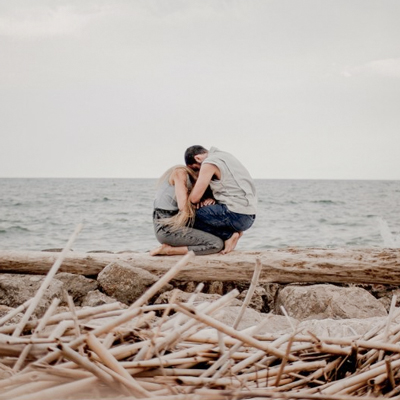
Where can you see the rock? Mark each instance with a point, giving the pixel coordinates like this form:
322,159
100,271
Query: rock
340,328
216,287
273,323
15,289
328,301
100,251
280,325
77,286
271,292
95,298
257,300
4,310
386,302
126,283
183,297
387,296
54,250
190,287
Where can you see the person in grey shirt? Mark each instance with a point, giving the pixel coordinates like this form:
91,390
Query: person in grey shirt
233,189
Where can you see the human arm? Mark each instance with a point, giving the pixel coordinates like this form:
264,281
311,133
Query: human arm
179,180
207,171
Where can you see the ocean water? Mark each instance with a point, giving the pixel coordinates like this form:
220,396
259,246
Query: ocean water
116,214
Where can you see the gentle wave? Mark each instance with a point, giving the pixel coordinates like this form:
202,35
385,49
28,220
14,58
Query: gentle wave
13,229
42,213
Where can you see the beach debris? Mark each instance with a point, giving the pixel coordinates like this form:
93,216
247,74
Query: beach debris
181,350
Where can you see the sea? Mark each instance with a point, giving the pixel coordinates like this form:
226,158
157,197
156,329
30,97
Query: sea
116,214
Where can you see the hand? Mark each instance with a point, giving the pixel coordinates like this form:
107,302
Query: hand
206,202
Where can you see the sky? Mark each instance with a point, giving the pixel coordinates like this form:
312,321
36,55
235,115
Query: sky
295,89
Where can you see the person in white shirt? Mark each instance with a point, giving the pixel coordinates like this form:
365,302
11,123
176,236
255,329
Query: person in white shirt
233,189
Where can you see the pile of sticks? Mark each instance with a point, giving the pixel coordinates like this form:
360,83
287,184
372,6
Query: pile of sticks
182,351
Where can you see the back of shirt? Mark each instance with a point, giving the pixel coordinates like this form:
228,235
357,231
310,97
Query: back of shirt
165,197
236,187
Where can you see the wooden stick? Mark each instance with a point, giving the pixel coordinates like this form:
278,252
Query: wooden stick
187,328
178,319
190,301
36,332
11,314
362,377
18,379
63,371
389,372
135,367
89,366
147,351
27,389
60,329
82,314
108,360
128,383
312,377
63,391
366,344
210,394
284,360
201,317
222,363
389,322
250,292
71,306
329,349
295,367
169,372
45,284
132,311
194,381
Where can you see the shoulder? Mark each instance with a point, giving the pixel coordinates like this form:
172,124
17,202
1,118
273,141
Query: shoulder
179,174
209,165
209,169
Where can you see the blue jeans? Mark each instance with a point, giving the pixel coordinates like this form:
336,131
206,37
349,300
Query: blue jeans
221,222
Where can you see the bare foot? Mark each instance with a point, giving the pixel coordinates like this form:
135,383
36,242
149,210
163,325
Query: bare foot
167,250
231,243
159,251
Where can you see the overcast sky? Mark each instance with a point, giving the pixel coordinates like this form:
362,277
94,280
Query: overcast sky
296,89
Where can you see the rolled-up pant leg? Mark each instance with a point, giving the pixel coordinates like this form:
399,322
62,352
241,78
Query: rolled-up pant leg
219,221
201,243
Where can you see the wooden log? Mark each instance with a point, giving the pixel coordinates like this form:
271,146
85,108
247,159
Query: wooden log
278,265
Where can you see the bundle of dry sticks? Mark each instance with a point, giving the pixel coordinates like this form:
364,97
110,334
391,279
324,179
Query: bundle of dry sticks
185,352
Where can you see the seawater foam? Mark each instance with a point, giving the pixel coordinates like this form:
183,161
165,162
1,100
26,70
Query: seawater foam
389,239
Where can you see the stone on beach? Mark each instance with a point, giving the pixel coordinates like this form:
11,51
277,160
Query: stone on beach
124,282
328,301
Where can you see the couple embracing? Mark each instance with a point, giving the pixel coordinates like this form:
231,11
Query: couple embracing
204,206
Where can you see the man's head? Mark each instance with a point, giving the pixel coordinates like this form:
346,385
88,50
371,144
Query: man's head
194,156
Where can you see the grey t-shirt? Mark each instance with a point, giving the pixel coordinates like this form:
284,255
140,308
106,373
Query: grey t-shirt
236,187
165,197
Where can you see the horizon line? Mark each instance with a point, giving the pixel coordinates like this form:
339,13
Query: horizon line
271,179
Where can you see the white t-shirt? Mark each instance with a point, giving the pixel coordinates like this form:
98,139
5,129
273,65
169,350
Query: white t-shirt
236,187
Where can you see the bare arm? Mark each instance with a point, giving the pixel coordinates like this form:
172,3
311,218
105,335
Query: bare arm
207,171
179,180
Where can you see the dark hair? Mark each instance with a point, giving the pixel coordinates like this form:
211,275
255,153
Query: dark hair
193,151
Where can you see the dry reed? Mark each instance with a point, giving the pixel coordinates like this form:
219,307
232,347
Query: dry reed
186,354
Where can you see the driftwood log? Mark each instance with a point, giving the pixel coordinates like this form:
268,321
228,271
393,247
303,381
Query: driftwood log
367,265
